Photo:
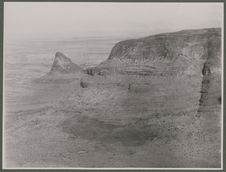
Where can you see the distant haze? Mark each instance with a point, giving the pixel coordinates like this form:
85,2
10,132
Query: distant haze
57,20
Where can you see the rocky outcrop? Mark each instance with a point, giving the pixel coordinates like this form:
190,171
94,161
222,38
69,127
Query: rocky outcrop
63,70
63,65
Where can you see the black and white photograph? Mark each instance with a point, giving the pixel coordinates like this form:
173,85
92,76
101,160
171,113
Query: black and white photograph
113,85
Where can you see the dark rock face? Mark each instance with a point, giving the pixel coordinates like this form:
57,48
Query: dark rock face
63,65
211,80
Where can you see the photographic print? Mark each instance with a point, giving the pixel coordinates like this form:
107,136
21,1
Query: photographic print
109,85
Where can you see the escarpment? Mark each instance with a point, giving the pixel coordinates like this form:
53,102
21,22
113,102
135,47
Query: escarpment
179,53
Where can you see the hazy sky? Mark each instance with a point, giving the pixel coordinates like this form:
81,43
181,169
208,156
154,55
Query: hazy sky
75,19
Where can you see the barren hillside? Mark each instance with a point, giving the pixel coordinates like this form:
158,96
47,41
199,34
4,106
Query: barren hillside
154,102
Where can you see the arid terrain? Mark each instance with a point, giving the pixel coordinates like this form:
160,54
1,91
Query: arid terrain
155,102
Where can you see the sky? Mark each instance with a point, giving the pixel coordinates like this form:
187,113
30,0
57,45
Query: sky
49,20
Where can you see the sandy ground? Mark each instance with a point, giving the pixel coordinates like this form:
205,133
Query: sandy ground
151,123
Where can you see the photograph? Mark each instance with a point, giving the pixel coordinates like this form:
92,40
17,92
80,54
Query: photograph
113,85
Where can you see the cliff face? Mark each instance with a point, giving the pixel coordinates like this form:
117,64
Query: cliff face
176,53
